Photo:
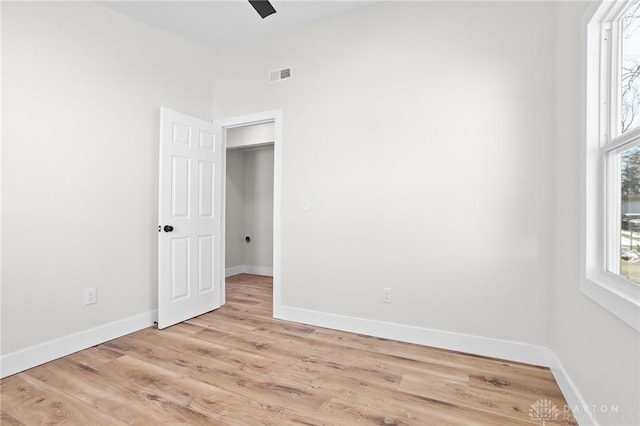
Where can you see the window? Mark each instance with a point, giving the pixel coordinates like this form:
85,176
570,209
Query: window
611,178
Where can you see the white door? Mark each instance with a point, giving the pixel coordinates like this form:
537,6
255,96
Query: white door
190,199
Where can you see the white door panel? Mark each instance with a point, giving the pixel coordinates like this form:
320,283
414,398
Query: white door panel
190,199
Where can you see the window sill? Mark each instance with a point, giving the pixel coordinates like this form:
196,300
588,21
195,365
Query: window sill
614,294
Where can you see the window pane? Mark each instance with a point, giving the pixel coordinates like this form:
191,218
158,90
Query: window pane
630,197
630,67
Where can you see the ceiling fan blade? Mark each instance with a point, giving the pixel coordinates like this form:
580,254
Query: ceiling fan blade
263,7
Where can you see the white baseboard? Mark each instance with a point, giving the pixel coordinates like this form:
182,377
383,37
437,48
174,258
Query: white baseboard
247,269
486,346
259,270
577,404
234,270
33,356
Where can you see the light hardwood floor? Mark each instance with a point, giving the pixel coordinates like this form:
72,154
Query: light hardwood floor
239,366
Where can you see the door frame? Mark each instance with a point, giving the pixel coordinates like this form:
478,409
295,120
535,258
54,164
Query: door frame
275,117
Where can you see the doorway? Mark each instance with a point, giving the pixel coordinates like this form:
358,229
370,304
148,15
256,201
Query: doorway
252,172
249,208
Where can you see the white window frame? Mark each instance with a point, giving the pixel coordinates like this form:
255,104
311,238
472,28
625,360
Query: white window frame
600,244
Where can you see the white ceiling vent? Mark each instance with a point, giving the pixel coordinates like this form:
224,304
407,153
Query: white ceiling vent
279,75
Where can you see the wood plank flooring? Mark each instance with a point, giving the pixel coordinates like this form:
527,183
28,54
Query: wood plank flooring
239,366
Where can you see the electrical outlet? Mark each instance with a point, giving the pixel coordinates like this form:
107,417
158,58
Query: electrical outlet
90,295
386,295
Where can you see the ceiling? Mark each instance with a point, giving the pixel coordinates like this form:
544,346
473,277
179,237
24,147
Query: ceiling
223,23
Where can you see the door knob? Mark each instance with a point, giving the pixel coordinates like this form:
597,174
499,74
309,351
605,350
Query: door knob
168,228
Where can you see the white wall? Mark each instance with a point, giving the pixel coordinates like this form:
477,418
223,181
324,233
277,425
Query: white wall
600,352
423,134
258,207
234,210
82,88
249,210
